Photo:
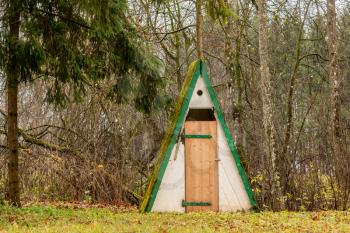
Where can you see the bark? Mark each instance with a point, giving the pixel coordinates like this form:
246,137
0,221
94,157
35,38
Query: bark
266,88
238,79
234,29
12,96
333,71
340,167
199,29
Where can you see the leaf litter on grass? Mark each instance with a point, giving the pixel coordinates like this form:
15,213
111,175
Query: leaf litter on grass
65,218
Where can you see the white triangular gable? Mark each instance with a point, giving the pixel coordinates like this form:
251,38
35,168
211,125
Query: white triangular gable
200,101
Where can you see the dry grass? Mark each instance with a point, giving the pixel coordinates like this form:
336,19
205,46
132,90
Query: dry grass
76,218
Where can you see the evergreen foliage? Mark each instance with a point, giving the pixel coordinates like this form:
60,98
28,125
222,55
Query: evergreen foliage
73,43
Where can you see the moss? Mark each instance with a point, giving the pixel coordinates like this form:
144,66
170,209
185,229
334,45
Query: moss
169,133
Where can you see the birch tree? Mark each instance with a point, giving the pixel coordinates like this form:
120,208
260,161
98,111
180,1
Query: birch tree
333,73
340,158
266,93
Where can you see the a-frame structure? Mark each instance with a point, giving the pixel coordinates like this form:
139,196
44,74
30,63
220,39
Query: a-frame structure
198,167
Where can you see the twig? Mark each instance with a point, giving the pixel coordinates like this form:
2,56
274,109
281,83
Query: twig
63,18
175,31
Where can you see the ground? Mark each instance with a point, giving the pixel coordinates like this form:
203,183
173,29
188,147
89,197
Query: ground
79,218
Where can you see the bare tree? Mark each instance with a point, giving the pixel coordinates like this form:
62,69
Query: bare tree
268,108
334,74
340,158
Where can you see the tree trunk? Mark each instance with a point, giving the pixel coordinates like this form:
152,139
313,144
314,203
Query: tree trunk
333,71
12,94
199,29
234,29
335,102
238,80
268,105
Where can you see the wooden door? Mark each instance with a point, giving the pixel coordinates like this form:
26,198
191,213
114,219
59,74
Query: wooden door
201,170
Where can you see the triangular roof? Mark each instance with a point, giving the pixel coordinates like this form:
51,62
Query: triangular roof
196,69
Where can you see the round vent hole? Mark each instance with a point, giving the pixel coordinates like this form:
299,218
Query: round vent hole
199,92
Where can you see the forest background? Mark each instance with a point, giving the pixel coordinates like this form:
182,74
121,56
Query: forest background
97,81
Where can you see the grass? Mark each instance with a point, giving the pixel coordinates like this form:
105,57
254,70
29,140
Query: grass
40,218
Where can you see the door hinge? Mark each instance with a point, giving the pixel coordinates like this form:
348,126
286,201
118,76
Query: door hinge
195,203
207,136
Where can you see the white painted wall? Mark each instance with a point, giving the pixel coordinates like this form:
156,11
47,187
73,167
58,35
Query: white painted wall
172,189
232,195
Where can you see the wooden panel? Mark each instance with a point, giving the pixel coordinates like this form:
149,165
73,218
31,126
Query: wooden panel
201,171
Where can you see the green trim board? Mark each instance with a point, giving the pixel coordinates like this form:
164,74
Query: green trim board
196,70
170,137
175,134
228,136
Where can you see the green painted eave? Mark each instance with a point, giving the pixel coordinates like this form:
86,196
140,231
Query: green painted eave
228,136
170,137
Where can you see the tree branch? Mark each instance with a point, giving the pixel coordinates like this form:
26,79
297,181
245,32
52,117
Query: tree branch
175,31
34,140
63,18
